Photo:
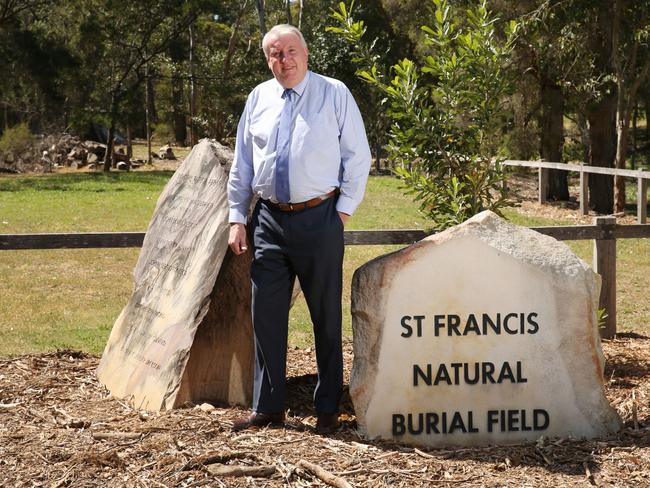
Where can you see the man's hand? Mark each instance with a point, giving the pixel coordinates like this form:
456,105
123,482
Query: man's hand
237,238
344,217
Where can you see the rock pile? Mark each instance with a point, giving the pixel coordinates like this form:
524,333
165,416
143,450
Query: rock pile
72,152
51,152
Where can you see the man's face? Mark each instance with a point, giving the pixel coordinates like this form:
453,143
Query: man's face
287,59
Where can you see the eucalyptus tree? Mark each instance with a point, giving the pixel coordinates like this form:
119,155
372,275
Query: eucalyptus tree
590,58
631,60
609,44
131,34
540,57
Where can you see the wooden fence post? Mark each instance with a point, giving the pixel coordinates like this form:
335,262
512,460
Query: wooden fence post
605,266
584,193
642,201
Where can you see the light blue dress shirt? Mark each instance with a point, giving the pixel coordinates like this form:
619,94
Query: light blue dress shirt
329,148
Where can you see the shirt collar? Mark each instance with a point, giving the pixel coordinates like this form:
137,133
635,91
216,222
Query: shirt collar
300,87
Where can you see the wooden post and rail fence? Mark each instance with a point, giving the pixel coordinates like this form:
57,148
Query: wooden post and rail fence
604,232
543,168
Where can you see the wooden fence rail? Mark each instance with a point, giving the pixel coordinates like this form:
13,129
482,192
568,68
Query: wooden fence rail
543,167
604,232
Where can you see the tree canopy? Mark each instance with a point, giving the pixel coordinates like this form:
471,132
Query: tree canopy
569,86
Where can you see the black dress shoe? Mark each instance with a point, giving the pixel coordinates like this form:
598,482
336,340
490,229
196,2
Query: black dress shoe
256,420
327,423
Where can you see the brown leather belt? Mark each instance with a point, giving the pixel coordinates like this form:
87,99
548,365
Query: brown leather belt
295,207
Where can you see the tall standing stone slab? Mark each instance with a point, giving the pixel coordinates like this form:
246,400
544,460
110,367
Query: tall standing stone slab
185,334
483,334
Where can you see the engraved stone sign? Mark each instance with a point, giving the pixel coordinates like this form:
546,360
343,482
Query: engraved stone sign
483,334
186,334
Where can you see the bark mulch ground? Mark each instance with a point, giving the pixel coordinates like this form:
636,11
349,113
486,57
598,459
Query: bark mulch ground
59,427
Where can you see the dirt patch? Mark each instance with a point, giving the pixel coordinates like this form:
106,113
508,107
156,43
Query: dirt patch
59,427
524,186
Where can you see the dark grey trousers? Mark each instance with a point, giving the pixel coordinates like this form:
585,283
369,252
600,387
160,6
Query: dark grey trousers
307,244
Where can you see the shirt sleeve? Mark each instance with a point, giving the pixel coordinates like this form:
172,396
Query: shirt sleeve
355,155
240,191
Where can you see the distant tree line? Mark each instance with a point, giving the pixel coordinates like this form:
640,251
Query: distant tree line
181,70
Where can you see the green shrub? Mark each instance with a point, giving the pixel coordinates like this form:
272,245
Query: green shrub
16,139
446,109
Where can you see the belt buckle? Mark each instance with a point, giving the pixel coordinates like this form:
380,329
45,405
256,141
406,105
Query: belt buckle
291,207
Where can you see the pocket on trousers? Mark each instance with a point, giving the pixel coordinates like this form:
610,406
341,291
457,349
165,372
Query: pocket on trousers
338,223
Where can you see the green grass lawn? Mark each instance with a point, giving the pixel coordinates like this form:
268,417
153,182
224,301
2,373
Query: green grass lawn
70,298
79,202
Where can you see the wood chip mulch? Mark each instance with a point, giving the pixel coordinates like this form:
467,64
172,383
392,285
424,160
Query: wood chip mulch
59,427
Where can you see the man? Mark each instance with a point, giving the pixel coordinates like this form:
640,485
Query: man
302,148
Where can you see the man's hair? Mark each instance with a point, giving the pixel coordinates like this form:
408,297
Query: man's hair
278,30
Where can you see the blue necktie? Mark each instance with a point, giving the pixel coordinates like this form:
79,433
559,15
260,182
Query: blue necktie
282,150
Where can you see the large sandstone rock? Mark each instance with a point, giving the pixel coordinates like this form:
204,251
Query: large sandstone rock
483,334
185,335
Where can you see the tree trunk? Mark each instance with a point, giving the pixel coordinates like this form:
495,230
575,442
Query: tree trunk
147,113
261,15
194,138
108,156
301,5
288,7
602,151
602,113
621,108
378,156
622,127
232,44
635,115
552,136
647,123
153,115
177,52
129,143
626,101
180,126
629,77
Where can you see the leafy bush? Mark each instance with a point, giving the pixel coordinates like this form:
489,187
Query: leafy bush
16,140
445,112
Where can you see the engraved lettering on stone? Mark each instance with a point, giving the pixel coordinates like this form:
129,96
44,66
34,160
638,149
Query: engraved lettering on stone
169,267
483,334
151,312
185,333
179,222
